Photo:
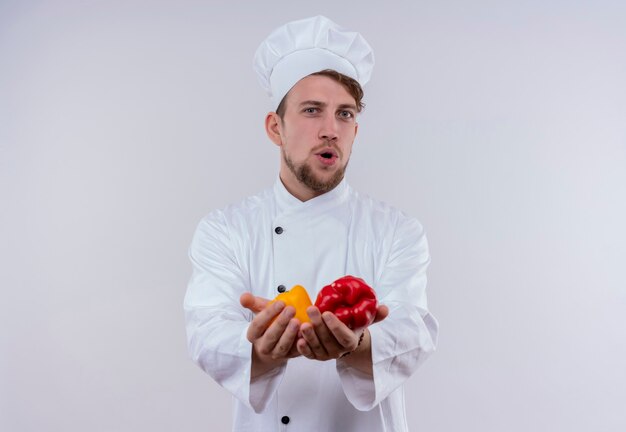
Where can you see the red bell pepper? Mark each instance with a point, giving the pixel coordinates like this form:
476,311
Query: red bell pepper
351,300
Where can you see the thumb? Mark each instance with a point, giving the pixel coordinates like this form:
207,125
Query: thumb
381,313
252,302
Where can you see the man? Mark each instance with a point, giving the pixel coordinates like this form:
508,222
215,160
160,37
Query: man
310,228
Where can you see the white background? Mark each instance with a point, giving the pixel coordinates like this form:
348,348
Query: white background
501,125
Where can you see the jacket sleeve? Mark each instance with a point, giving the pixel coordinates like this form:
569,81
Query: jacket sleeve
402,341
216,323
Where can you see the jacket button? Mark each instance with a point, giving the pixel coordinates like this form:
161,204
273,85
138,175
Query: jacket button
284,420
281,288
278,230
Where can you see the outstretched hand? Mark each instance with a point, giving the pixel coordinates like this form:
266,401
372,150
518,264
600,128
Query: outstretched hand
327,338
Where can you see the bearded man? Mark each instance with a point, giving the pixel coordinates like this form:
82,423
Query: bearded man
310,228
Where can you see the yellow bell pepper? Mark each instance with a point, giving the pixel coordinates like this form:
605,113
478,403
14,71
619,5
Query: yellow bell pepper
298,298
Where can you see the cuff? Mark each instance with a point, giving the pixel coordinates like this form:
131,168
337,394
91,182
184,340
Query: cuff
263,388
358,386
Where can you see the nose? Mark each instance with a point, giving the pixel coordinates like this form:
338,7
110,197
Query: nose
329,130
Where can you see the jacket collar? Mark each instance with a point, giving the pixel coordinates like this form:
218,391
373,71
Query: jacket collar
285,202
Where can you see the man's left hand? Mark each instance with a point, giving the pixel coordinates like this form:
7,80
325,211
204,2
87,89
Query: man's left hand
327,338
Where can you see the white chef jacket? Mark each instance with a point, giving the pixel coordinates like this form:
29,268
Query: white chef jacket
339,233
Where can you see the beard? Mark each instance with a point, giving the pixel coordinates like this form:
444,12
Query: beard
305,175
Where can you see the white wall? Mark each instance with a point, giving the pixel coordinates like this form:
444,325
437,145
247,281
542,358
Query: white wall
500,125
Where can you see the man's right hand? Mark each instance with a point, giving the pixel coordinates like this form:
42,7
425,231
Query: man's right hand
272,344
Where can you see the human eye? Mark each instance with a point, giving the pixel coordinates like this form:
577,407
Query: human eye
310,110
345,114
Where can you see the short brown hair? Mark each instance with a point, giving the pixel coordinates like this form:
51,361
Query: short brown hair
351,85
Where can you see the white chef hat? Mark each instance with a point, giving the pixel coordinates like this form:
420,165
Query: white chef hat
306,46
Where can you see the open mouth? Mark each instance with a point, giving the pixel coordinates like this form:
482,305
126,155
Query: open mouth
327,157
327,153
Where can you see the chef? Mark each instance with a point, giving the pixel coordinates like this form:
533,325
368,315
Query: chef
310,228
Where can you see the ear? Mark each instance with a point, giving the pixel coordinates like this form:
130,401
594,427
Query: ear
356,129
273,128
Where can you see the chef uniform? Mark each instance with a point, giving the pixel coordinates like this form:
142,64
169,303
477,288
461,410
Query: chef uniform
272,241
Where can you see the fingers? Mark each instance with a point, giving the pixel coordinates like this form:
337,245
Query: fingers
341,333
283,347
262,320
275,339
381,313
252,302
321,335
310,345
294,352
303,348
326,337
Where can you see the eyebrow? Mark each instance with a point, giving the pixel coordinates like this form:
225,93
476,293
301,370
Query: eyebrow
324,104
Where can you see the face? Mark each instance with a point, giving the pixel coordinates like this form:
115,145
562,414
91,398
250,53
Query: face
315,135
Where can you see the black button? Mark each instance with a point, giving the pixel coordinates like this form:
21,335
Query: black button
281,288
284,420
278,230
